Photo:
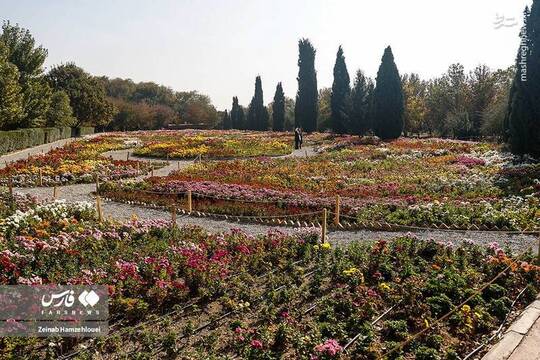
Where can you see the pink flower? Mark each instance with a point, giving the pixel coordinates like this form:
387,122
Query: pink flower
256,344
330,347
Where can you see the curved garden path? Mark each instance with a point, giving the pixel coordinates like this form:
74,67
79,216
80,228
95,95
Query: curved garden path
120,211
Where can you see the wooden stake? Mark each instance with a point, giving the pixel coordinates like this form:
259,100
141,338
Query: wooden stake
40,177
152,171
539,248
55,192
178,165
189,202
10,185
337,210
98,209
138,168
97,182
323,226
127,156
173,216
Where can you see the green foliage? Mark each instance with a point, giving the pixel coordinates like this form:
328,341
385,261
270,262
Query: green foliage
18,48
522,122
11,99
237,115
257,118
86,94
341,96
362,104
60,112
278,109
226,121
306,106
388,99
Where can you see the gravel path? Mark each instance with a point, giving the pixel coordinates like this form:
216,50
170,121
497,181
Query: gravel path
120,211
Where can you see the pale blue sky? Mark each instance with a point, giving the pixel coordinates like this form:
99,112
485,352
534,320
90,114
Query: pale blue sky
218,47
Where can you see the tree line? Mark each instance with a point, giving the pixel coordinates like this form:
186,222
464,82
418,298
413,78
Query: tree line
503,103
67,95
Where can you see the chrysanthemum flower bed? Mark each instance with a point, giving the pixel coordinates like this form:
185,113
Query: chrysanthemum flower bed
215,144
186,293
405,182
77,162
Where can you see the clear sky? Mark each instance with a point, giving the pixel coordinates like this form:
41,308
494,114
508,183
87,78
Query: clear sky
218,46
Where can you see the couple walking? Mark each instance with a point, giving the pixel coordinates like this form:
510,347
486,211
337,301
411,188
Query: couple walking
298,138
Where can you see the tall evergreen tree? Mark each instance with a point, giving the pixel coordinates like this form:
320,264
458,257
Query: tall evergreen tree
257,114
235,114
241,118
523,119
340,101
226,121
306,106
362,99
388,99
278,109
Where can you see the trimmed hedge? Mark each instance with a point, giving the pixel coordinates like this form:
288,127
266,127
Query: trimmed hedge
25,138
86,130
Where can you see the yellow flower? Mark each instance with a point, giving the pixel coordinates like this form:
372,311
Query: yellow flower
326,246
466,309
316,247
384,287
350,271
426,323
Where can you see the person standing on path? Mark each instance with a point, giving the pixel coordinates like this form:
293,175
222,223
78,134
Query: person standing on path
297,138
301,136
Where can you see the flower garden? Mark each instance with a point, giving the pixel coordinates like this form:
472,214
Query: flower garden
214,144
406,182
182,292
77,162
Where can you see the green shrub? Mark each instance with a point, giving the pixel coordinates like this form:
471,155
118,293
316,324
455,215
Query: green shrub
439,305
425,353
396,329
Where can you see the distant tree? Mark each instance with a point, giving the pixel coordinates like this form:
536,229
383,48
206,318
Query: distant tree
324,116
86,94
11,98
20,50
236,121
257,118
362,104
60,112
289,114
278,109
388,99
195,108
523,125
414,93
242,118
305,112
226,121
495,112
341,96
481,82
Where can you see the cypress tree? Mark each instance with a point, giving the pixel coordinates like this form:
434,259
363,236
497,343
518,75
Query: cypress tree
523,119
306,106
278,109
226,121
341,96
235,114
257,113
388,99
241,118
362,99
